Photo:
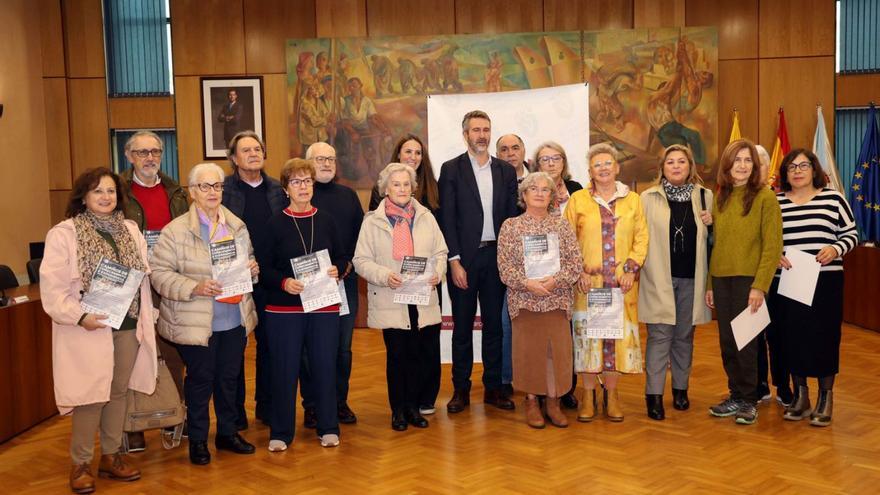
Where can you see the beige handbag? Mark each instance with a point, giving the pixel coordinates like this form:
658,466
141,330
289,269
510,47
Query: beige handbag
161,409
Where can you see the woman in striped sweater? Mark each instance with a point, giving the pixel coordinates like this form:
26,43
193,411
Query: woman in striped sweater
818,221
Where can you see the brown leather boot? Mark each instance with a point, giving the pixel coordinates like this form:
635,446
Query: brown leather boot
81,479
587,411
612,406
557,418
534,418
115,467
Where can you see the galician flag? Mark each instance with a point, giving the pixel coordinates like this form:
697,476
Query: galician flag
822,149
734,129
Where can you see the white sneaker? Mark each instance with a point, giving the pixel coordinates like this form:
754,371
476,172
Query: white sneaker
426,410
277,446
329,440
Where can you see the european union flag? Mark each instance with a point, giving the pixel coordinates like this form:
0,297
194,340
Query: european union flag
865,193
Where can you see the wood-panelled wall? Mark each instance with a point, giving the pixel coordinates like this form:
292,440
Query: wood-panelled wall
770,55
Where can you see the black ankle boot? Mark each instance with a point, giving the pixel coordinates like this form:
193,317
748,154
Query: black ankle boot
655,406
680,399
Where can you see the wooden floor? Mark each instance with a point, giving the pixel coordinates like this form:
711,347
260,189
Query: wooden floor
490,451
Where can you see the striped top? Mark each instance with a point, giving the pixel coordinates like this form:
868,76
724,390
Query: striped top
825,219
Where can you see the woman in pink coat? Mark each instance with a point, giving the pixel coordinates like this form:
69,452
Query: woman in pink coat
95,365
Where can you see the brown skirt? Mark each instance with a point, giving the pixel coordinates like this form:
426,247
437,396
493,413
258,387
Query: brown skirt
535,337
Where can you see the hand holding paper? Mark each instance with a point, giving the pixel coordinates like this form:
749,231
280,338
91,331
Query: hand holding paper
799,282
747,325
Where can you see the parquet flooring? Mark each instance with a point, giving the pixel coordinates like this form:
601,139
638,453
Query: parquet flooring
485,450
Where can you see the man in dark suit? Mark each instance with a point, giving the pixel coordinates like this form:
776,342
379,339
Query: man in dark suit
477,194
231,115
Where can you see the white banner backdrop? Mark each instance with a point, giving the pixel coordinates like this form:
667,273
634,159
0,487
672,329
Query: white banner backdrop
558,114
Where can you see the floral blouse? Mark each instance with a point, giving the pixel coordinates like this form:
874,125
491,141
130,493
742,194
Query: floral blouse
512,269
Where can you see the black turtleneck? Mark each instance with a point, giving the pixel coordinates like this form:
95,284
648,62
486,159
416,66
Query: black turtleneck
341,203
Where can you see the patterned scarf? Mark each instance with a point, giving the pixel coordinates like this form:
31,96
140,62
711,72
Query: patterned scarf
218,231
91,247
679,194
401,236
561,196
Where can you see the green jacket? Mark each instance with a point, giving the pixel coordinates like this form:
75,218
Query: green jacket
177,202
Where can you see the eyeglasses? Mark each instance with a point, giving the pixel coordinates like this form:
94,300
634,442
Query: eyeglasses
205,187
802,166
301,182
606,163
547,159
145,153
328,159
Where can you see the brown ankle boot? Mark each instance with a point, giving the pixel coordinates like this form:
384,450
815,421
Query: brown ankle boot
587,411
115,467
557,418
81,479
612,406
534,418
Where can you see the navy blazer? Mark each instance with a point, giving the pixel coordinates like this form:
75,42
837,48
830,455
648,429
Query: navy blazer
461,213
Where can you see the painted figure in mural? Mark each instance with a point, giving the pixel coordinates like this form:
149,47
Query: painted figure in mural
332,101
322,66
430,75
381,68
450,74
493,73
609,83
364,129
314,116
679,97
407,75
231,115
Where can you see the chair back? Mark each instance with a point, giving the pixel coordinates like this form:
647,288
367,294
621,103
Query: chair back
33,270
7,278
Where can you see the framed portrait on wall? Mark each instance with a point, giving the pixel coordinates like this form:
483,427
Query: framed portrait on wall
230,105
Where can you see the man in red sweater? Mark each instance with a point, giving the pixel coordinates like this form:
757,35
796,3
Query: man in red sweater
152,200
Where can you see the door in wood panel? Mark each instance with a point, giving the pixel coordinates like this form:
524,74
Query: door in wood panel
409,17
268,24
588,15
797,28
797,84
341,18
499,16
89,126
207,37
737,23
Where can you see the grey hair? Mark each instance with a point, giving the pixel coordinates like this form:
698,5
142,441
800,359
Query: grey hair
203,167
606,148
310,151
391,169
529,181
144,134
763,156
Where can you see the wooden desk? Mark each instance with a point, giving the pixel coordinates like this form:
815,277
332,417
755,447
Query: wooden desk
861,289
27,396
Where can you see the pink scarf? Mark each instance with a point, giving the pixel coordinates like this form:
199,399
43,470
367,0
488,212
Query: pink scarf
401,236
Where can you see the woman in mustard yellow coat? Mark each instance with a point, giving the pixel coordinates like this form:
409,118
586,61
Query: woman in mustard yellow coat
613,237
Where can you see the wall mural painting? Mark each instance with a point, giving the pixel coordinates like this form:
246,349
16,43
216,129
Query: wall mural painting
649,88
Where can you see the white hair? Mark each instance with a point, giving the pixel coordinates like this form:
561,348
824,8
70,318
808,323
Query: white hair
205,167
763,156
391,169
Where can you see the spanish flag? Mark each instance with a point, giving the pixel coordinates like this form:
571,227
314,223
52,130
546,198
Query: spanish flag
734,129
780,148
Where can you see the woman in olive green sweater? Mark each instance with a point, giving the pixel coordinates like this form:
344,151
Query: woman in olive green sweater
748,244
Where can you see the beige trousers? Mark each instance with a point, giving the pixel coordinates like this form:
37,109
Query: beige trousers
108,416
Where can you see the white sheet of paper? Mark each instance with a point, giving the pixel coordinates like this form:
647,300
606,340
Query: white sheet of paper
746,326
799,282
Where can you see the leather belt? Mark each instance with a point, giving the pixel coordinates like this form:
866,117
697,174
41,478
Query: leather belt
488,244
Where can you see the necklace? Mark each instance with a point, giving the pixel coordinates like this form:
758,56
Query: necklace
308,250
678,230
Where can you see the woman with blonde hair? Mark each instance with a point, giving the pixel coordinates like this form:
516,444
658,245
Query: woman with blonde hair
673,283
613,236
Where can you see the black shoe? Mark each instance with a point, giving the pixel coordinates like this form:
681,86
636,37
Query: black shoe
496,398
310,418
460,399
398,421
345,414
507,390
655,406
234,443
569,401
414,418
199,454
680,399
